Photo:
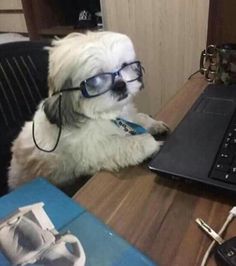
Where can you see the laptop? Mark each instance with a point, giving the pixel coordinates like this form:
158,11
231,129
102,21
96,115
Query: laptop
203,146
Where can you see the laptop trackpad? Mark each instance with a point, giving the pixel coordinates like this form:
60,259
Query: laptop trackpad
216,106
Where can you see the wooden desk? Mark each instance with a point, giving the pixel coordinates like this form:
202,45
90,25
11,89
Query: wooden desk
157,215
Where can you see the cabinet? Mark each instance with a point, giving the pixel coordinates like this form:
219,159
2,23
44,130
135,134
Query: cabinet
47,18
222,22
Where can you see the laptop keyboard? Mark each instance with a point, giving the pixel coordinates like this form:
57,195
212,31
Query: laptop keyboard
224,168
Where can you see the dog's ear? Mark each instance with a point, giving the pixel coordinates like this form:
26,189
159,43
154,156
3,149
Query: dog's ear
62,109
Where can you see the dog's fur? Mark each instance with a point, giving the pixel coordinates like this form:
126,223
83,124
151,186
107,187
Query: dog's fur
90,141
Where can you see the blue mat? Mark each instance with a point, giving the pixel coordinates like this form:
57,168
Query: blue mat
102,246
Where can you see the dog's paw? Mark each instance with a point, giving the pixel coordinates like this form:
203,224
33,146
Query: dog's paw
150,145
159,127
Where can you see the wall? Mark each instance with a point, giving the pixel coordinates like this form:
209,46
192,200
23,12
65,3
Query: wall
168,35
11,16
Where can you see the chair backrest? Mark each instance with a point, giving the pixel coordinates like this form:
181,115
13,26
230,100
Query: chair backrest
23,84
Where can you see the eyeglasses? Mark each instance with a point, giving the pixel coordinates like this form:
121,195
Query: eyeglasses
104,82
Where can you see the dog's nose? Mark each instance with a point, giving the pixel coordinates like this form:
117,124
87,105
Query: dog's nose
119,86
120,90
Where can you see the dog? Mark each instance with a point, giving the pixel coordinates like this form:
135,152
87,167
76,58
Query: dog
86,123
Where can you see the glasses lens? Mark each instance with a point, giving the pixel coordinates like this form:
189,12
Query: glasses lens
98,84
131,72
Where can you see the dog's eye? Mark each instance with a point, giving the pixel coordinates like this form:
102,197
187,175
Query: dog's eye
97,81
131,67
131,72
98,84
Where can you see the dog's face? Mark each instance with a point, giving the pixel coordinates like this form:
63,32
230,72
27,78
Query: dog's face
78,58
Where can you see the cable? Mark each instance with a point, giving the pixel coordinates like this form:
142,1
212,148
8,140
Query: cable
59,132
198,71
230,217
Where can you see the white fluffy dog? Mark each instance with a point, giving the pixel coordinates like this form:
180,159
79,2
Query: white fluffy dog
93,78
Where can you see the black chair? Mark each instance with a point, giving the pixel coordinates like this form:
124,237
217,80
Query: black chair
23,84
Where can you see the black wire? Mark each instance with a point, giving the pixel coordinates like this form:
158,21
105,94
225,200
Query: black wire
59,132
198,71
67,90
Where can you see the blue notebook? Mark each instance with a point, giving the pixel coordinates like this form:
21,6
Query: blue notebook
102,246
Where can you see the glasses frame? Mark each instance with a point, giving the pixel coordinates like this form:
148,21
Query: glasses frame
83,84
113,75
